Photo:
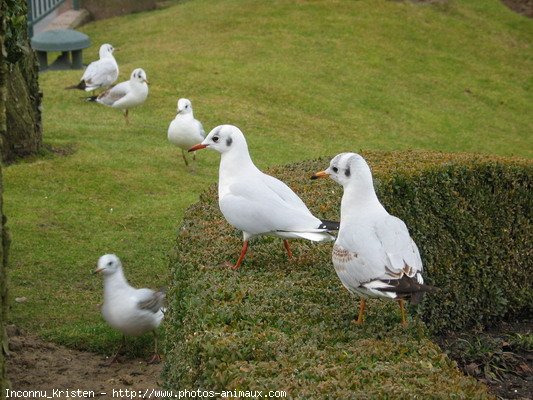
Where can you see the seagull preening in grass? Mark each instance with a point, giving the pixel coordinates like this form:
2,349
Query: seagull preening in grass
101,73
374,256
185,131
126,94
257,203
131,311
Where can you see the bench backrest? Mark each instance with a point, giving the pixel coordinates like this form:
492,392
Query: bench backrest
38,9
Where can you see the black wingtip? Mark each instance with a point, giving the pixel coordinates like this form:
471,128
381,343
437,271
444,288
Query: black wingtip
408,287
80,86
329,225
91,98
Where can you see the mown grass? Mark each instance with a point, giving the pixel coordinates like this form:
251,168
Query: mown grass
301,79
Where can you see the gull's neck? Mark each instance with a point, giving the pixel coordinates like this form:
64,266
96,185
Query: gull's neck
185,116
108,55
138,86
359,199
235,164
114,283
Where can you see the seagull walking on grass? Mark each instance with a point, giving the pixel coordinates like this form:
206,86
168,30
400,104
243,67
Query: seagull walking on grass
185,131
101,73
126,94
131,311
374,255
257,203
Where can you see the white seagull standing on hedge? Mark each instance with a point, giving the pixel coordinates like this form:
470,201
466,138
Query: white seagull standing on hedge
126,94
374,256
131,311
101,73
185,131
257,203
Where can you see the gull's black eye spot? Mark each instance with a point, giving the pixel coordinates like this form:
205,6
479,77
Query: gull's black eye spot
229,141
215,139
347,172
335,169
110,263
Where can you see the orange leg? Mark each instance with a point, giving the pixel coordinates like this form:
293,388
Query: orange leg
156,358
287,247
115,357
361,318
241,257
402,311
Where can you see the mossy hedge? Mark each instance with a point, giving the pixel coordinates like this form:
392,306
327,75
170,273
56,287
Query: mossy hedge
280,324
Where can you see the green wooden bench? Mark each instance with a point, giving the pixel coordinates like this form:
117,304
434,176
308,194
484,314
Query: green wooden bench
64,40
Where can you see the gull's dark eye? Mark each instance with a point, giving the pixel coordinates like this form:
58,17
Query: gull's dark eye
215,139
335,169
110,263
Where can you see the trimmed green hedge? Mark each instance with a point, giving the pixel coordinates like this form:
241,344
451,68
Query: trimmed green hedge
286,325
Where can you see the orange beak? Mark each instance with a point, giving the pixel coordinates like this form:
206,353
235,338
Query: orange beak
321,174
198,146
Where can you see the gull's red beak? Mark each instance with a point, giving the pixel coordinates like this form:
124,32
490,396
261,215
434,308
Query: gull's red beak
198,146
321,174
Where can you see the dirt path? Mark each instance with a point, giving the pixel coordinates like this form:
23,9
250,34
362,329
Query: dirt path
37,365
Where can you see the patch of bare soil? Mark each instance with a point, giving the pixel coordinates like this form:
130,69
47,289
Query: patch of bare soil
501,357
37,365
524,7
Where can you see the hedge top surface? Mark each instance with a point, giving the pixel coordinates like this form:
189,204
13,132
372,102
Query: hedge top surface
286,324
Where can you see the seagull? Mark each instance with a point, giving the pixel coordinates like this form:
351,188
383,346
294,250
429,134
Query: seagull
185,131
257,203
101,73
126,94
131,311
374,256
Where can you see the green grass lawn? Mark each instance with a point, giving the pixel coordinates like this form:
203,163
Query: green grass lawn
301,79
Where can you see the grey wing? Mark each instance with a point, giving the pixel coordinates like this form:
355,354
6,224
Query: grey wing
152,301
112,95
201,129
260,211
284,192
401,250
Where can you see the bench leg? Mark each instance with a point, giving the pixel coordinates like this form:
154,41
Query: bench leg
77,59
42,57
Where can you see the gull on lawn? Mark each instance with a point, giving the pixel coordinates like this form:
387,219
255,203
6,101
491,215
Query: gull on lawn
184,130
374,255
131,311
257,203
126,94
101,73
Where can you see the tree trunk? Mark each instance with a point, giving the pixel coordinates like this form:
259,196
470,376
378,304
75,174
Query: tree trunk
23,136
4,239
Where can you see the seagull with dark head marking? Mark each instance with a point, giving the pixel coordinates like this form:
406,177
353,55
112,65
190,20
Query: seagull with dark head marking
374,255
127,309
257,203
126,94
